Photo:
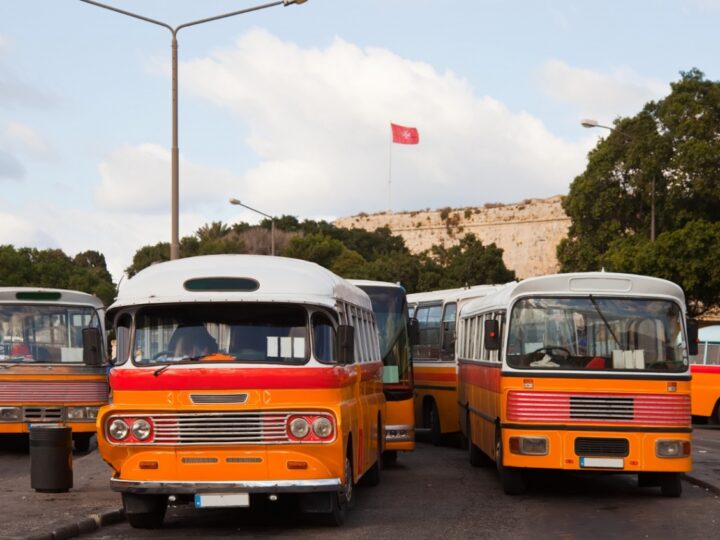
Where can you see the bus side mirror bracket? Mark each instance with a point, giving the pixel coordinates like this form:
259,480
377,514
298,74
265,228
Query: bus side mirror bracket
346,344
92,347
413,330
492,335
693,336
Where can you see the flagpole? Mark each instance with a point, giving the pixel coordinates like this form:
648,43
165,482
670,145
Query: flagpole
390,174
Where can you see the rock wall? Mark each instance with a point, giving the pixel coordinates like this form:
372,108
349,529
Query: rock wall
528,232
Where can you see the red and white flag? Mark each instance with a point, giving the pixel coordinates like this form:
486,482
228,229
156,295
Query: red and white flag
404,135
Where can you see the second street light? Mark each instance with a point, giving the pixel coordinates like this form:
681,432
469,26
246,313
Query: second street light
175,160
590,123
271,218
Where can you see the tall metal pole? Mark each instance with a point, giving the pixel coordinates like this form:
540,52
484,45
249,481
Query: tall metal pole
175,157
175,152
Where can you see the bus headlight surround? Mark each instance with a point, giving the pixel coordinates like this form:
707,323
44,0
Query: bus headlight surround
118,429
141,429
322,427
672,448
529,446
82,413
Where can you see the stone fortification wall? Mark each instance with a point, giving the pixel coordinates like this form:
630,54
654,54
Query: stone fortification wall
528,232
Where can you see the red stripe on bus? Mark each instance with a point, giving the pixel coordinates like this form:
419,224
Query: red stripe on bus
482,376
703,368
234,378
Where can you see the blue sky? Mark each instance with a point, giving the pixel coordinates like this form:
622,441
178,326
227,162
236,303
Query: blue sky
288,108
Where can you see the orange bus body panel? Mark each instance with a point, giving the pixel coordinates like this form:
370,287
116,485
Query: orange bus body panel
437,381
705,389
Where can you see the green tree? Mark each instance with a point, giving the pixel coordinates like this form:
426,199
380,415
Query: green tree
317,248
666,157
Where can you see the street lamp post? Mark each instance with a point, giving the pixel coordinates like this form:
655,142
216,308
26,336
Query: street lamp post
175,159
590,123
271,218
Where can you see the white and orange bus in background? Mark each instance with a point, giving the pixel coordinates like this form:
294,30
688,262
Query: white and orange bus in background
242,377
705,368
433,358
579,372
389,303
43,375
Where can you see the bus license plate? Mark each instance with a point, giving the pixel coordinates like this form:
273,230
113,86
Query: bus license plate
602,463
215,500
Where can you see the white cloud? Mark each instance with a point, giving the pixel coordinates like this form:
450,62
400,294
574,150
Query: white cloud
137,179
602,96
319,121
24,139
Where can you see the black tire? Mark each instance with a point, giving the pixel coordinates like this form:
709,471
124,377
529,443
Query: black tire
512,479
477,457
670,484
390,457
144,511
432,422
341,500
82,441
373,474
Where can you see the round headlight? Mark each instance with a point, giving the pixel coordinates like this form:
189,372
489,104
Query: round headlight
299,428
141,429
322,427
118,429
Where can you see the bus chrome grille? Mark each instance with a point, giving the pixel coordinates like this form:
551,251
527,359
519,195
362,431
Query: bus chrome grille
53,391
595,446
220,428
587,408
213,399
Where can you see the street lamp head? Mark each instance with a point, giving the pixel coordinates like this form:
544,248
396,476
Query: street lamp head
288,2
589,123
233,200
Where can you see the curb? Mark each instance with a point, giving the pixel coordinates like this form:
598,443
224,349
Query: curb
702,483
85,525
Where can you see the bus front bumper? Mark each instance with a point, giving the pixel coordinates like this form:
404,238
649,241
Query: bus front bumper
254,486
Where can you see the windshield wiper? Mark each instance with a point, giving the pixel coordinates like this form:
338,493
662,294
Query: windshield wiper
607,324
184,360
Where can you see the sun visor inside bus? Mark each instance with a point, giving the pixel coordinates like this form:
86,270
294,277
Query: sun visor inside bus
221,284
628,359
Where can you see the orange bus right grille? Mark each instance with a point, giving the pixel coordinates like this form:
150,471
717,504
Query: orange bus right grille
596,446
576,407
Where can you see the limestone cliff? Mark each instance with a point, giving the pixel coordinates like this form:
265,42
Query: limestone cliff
528,232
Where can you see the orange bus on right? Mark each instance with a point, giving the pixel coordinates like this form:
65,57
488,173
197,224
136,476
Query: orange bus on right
705,367
581,372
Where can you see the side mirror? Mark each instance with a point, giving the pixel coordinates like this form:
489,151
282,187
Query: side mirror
346,344
492,335
693,336
92,347
413,330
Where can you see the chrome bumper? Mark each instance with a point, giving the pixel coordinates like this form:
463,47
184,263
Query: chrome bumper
258,486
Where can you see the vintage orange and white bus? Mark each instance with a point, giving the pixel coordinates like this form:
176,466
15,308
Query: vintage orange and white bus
241,377
581,372
389,303
433,358
705,368
43,375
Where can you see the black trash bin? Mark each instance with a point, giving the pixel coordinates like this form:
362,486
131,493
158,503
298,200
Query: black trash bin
51,458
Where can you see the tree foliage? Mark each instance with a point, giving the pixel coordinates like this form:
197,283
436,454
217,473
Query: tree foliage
666,157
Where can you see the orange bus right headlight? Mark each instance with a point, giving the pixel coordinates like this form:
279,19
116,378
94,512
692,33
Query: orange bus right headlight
529,446
672,448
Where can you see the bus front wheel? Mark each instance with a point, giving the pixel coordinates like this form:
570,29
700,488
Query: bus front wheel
432,422
144,511
342,500
670,485
477,457
82,441
513,480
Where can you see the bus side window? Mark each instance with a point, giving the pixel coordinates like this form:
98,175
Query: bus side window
323,338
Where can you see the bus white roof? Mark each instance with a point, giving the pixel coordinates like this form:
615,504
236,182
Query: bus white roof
578,284
372,283
8,295
280,279
446,295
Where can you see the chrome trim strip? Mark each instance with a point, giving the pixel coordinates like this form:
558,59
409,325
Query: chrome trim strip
255,486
